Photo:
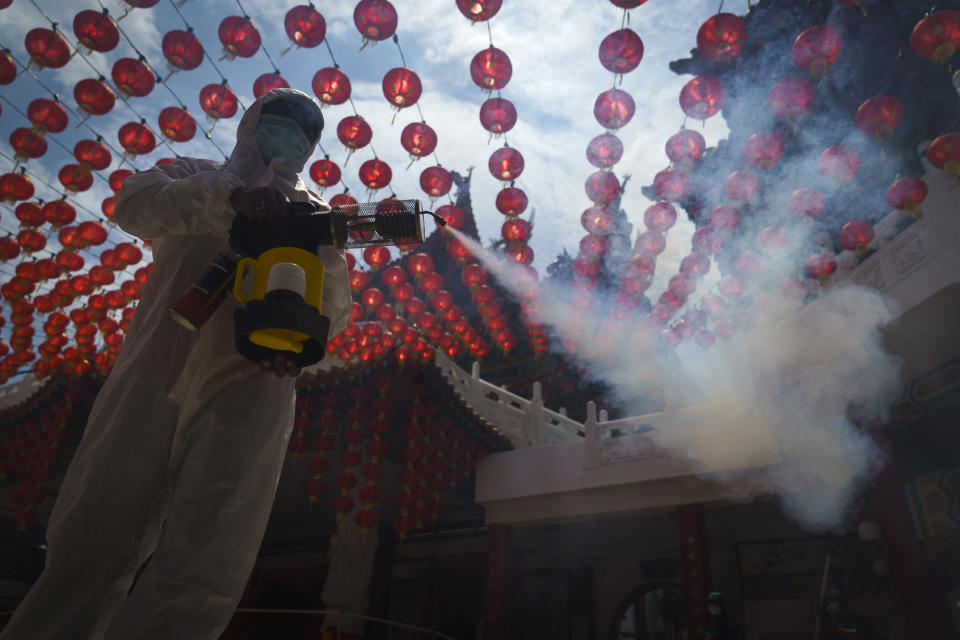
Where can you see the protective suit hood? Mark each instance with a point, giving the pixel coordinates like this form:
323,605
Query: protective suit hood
245,161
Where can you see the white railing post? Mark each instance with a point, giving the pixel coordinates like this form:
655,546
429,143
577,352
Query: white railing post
533,418
592,434
604,416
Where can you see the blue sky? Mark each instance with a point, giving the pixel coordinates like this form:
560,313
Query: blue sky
556,78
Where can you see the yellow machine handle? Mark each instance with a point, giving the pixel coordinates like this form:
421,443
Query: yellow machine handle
238,280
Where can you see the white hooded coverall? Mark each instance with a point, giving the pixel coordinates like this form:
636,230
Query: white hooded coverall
184,444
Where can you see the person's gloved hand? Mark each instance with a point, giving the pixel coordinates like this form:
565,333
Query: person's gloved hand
259,204
281,366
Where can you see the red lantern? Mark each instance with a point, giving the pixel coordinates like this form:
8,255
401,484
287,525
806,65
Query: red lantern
68,237
218,101
354,132
506,164
515,230
9,249
816,49
806,202
305,26
419,139
519,253
839,163
436,181
376,20
695,265
419,265
791,98
604,151
741,187
820,266
29,214
453,215
944,153
856,235
239,37
701,98
96,30
92,154
401,87
93,96
906,194
117,177
177,124
376,257
721,37
8,68
763,150
660,216
686,147
325,172
129,253
511,201
27,143
75,178
141,4
773,240
132,77
671,184
628,4
724,218
15,186
497,115
136,138
92,232
342,200
597,220
593,246
268,82
614,108
182,49
375,174
491,69
937,36
59,213
602,187
331,86
621,51
47,116
31,240
47,48
479,10
879,116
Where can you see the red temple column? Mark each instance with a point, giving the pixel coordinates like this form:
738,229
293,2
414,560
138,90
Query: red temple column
498,582
694,566
924,609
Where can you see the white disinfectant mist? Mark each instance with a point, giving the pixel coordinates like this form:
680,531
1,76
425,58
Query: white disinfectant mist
806,364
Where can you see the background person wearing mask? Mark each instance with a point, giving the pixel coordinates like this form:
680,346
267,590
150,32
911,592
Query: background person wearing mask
183,448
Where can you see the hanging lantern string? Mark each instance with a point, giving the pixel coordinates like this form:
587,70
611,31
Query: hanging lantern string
47,286
50,136
403,62
62,195
223,78
161,80
56,97
76,51
263,47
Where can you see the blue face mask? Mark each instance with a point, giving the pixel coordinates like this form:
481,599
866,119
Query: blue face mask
279,137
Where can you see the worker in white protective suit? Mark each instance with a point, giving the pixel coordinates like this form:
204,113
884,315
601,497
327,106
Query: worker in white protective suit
184,445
